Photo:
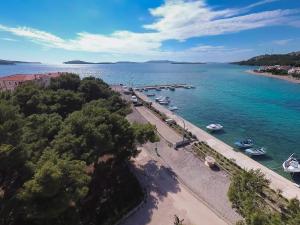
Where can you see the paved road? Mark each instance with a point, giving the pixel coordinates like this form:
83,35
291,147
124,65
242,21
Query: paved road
167,197
210,186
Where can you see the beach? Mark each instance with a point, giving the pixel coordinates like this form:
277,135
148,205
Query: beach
287,78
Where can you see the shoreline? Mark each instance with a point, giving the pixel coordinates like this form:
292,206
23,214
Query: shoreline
286,78
289,190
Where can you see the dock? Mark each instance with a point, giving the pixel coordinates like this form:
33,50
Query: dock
163,86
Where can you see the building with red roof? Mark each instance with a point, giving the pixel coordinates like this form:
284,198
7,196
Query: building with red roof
11,82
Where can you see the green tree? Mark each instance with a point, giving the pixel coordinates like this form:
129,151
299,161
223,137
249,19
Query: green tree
94,131
144,133
26,97
10,123
56,188
94,88
245,190
37,133
62,102
67,81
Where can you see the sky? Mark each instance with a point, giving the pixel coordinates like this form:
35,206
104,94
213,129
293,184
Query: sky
54,31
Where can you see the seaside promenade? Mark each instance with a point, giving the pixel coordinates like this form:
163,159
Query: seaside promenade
277,182
195,180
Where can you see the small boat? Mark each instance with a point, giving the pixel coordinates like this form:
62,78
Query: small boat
214,127
256,151
173,108
157,89
164,102
150,94
246,143
291,165
159,98
172,88
187,87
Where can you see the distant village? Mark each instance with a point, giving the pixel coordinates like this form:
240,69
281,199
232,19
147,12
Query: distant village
280,70
10,83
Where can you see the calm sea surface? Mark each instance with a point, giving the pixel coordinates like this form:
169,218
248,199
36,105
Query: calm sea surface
265,109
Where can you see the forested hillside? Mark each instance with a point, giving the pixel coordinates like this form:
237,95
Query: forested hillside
292,59
63,154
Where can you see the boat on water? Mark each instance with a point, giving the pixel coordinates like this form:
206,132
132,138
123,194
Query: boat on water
157,89
164,102
291,165
214,127
256,151
246,143
158,98
150,94
172,88
173,108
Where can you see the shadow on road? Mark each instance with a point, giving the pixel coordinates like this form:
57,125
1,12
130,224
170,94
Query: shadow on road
158,181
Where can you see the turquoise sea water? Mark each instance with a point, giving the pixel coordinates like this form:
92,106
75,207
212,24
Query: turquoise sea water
265,109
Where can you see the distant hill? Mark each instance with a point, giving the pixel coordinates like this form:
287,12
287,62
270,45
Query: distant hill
151,61
159,61
84,62
10,62
172,62
292,59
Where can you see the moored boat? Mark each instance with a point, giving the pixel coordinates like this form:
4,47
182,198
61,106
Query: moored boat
256,151
214,127
173,108
291,165
246,143
158,98
150,94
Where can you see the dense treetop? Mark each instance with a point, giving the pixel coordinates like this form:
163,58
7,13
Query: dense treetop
52,141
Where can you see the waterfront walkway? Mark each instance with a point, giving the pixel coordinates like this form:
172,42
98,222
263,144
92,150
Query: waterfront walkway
166,197
209,187
289,190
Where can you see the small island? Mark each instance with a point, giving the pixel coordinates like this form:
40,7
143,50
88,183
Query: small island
84,62
9,62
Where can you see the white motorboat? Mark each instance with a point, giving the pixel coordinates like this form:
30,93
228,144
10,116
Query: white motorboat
214,127
256,151
173,108
291,165
246,143
164,102
159,98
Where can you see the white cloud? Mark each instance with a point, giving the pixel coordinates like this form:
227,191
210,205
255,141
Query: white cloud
263,2
181,20
8,39
282,42
174,20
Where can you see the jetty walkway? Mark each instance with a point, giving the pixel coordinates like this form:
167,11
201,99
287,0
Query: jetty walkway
277,182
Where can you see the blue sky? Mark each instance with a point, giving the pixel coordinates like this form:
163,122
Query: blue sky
53,31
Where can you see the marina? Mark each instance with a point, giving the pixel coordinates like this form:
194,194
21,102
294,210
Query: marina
288,188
